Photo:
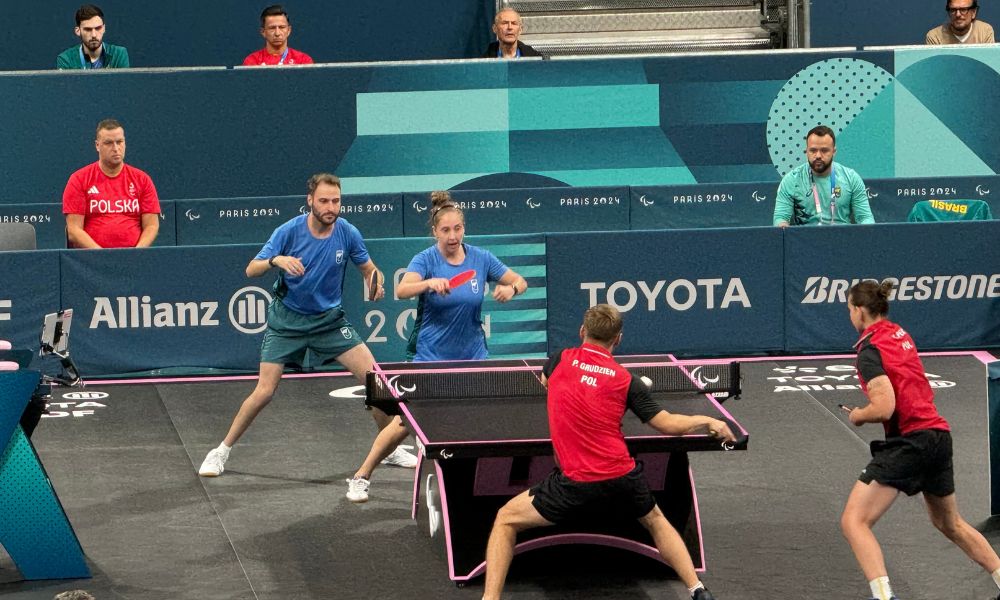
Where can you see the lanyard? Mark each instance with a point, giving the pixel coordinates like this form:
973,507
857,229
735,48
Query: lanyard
834,193
284,55
97,64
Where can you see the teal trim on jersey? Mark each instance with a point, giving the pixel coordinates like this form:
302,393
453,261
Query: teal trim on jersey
446,111
584,107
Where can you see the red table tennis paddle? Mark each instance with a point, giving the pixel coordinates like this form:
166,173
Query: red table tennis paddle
373,284
461,278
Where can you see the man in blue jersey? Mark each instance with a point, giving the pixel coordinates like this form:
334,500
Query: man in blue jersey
311,253
820,191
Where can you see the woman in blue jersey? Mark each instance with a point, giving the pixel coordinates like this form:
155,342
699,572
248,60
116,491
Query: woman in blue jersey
448,324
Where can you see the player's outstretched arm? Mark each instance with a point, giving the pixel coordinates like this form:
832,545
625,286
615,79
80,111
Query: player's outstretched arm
674,424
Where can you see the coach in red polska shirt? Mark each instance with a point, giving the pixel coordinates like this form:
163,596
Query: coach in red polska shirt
109,204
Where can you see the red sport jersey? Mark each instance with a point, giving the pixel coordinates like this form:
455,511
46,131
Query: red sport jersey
263,57
886,349
112,207
587,397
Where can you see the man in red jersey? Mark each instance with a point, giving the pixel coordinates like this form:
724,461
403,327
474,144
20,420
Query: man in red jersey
109,204
275,28
588,393
916,454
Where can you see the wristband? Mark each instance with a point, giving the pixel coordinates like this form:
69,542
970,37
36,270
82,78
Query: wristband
270,261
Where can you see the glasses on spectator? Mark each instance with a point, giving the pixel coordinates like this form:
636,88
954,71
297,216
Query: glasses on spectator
961,10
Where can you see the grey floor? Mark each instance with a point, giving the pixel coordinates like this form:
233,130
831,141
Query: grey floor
276,524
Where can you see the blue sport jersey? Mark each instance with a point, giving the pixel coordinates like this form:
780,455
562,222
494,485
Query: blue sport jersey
325,261
450,327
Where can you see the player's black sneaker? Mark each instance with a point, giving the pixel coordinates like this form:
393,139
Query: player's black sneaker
702,594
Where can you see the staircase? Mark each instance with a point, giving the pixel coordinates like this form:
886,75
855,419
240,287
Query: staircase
589,27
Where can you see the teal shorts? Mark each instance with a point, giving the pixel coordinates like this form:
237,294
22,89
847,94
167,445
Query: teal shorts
289,334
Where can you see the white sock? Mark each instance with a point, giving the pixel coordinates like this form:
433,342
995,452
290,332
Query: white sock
996,577
697,586
880,588
224,448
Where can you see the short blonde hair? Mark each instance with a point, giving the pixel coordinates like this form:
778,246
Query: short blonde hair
602,322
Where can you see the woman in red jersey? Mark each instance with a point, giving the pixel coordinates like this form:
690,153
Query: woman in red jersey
915,456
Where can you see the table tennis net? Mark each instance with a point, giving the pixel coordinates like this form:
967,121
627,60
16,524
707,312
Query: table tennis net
717,379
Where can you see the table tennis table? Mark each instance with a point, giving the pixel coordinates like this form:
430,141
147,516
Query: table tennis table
482,433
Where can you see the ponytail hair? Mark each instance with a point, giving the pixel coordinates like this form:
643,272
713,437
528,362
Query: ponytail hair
872,296
442,202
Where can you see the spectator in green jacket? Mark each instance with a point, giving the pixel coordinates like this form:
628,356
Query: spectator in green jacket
92,52
821,191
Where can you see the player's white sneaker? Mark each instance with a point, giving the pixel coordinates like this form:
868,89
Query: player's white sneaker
357,489
214,464
400,458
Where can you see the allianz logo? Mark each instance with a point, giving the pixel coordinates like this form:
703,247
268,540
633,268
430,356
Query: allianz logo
825,290
246,311
676,294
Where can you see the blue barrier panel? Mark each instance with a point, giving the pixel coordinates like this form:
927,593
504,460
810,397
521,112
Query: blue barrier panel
50,225
142,309
376,215
34,529
716,291
702,205
216,221
948,276
30,291
531,210
892,199
513,329
168,224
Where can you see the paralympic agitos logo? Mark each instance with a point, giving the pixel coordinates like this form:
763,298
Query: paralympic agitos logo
826,290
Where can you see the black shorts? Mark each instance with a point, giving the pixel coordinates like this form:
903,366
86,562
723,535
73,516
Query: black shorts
913,463
559,499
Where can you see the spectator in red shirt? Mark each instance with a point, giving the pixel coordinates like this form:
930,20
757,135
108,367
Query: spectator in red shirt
588,393
916,453
109,204
275,28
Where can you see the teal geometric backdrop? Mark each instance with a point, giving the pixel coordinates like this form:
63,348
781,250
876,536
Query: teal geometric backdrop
413,127
675,120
